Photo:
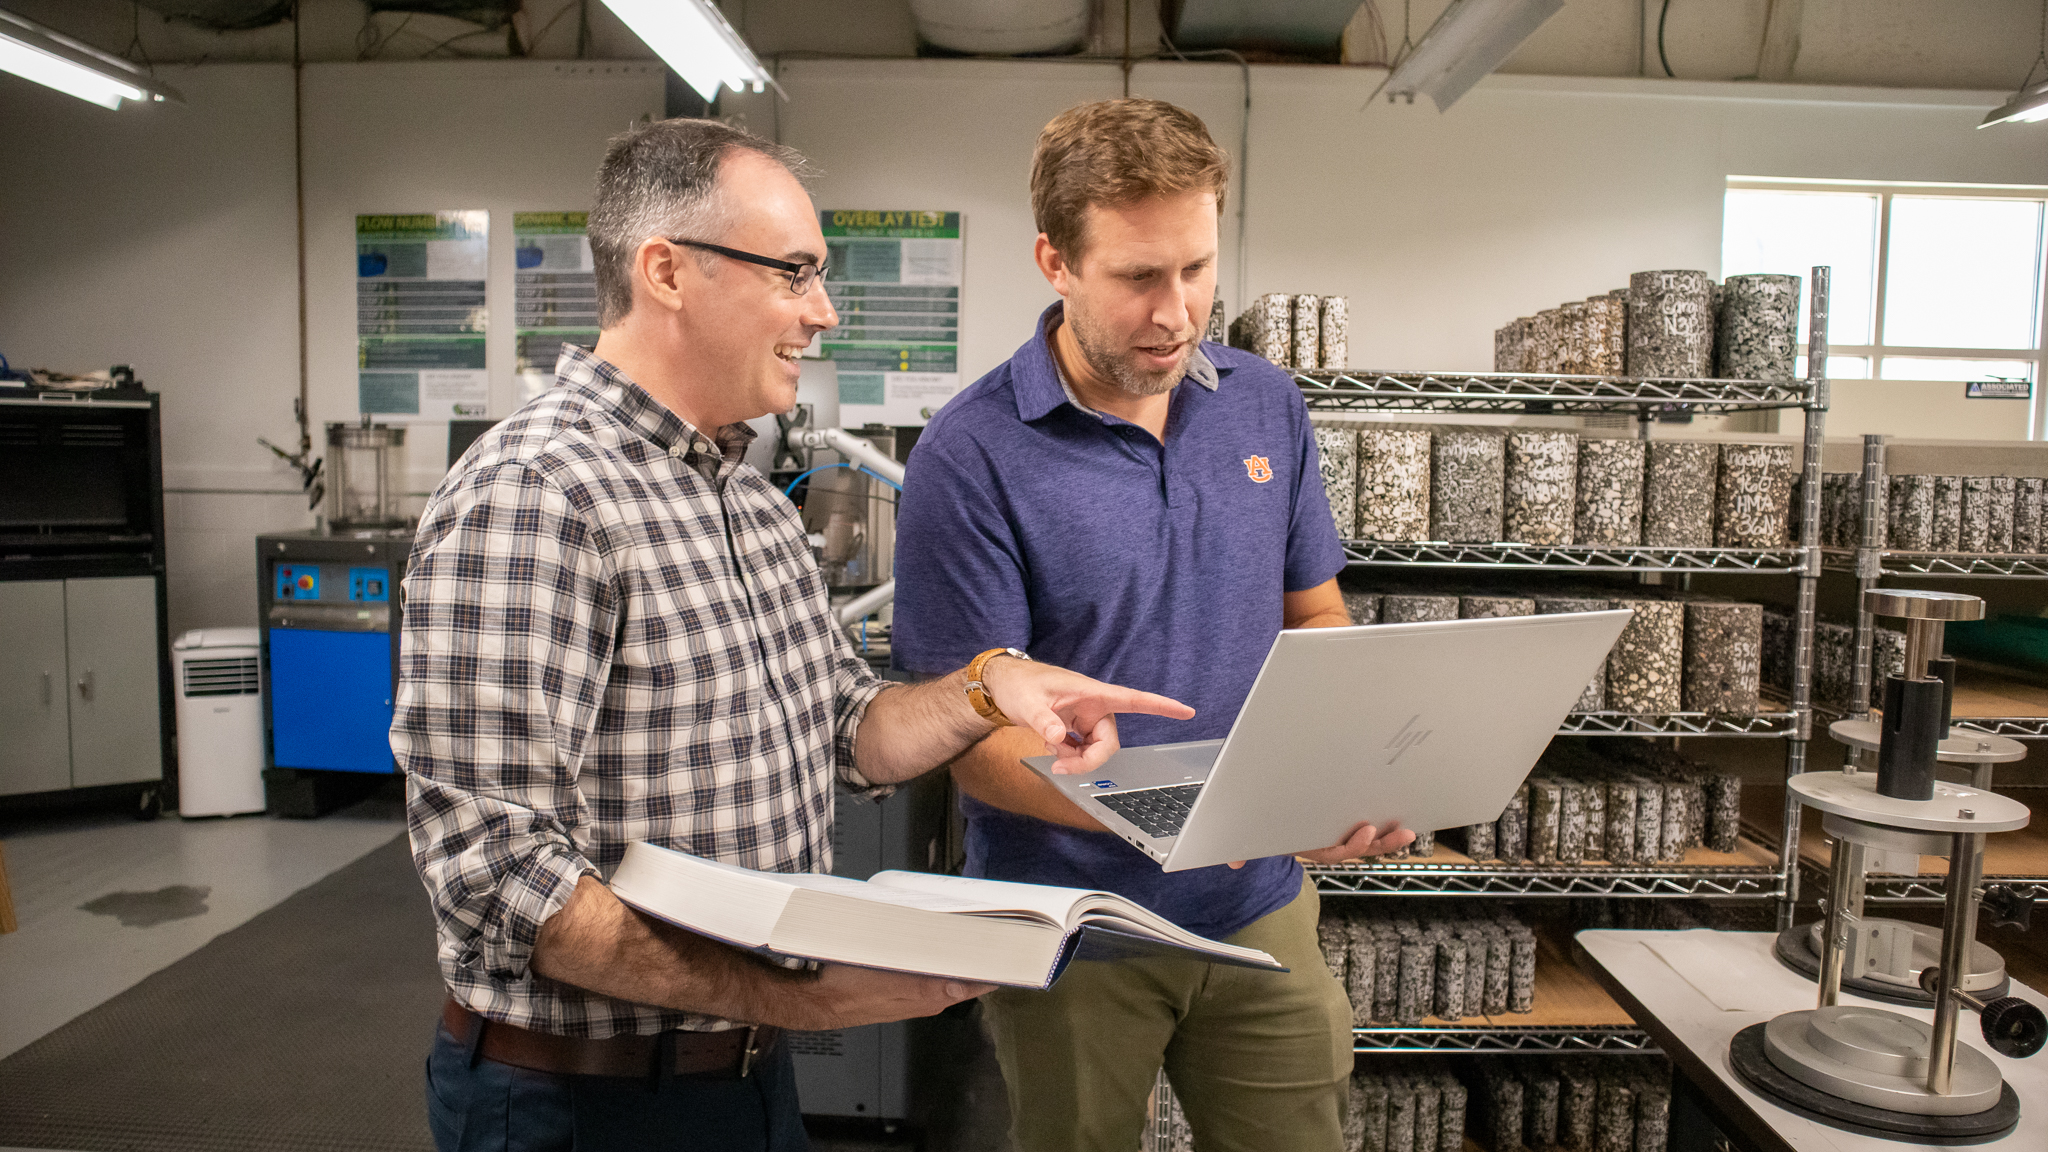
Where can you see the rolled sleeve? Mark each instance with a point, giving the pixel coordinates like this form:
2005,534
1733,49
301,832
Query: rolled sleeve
509,620
855,686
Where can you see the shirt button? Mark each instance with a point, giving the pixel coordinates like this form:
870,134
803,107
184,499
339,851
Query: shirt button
703,447
678,451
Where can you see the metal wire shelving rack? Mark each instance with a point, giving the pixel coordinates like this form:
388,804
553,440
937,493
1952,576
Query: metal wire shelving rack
1370,391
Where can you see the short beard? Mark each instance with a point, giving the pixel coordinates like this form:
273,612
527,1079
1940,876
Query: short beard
1128,379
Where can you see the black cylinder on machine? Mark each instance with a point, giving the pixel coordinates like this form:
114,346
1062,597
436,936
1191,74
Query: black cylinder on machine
1943,668
1910,736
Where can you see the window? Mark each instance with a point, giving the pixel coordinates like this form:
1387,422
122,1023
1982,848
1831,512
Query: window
1929,283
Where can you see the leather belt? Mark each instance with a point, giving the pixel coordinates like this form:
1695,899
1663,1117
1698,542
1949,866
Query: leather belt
728,1055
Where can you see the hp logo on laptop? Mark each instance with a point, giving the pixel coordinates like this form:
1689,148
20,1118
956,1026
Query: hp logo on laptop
1408,737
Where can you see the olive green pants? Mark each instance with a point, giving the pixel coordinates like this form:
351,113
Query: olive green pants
1259,1060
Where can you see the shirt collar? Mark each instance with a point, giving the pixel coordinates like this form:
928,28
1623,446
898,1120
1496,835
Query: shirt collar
584,372
1042,387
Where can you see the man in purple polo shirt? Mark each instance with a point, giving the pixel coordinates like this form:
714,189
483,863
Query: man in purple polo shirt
1125,500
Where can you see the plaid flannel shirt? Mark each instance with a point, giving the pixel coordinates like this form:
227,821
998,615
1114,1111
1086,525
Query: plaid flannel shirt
612,633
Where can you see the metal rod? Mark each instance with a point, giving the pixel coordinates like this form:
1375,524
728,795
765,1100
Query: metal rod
1958,931
1868,544
1845,872
1788,842
1815,411
1923,643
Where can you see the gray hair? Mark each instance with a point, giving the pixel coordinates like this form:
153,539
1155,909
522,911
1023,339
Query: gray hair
661,179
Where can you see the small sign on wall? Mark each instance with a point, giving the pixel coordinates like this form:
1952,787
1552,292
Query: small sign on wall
420,315
556,294
895,278
1999,389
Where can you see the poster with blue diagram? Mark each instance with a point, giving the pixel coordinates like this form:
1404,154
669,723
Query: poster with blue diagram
554,294
420,315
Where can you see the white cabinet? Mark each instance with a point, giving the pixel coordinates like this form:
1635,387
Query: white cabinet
80,698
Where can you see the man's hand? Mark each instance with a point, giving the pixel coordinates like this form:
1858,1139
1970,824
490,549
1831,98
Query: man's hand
844,997
1362,840
1074,714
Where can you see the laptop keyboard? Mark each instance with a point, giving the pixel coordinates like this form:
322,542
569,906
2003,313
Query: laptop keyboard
1158,811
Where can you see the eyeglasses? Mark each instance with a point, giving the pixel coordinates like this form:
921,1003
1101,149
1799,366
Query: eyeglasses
801,276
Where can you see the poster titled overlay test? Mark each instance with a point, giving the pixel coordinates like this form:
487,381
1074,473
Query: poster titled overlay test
555,291
420,315
895,279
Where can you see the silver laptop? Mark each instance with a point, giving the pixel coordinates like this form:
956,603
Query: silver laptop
1432,725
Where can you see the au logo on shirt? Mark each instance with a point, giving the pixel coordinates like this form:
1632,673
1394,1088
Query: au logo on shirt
1258,468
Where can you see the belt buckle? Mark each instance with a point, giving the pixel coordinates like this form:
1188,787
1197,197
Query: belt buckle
748,1053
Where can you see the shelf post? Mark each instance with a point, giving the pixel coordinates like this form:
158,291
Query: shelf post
1815,409
1869,555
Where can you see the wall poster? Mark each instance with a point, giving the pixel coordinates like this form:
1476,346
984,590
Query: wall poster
555,294
895,279
420,315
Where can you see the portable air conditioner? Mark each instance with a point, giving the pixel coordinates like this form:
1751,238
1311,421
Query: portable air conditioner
220,722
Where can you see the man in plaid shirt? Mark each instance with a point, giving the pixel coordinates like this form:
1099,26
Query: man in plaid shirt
615,631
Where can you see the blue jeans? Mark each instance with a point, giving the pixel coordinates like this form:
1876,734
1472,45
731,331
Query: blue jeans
484,1106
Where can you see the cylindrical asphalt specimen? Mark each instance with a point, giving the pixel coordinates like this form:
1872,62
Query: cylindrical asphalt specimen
1670,325
1337,452
1393,484
1608,508
1678,494
1541,492
1468,475
1363,606
1948,514
1306,316
1757,333
1403,608
1910,516
1753,505
1336,335
1644,667
1621,822
1723,657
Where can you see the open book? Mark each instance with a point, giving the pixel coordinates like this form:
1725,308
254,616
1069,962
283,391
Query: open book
988,931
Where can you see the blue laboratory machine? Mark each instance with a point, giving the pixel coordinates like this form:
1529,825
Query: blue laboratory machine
331,618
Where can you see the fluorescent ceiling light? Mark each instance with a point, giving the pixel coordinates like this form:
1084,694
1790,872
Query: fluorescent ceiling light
1468,41
693,38
55,60
2026,106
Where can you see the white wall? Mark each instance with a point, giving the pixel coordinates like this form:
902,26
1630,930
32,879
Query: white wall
165,236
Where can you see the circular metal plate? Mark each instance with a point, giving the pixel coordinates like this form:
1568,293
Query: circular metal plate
1887,839
1876,1057
1920,604
1746,1054
1856,796
1799,949
1959,748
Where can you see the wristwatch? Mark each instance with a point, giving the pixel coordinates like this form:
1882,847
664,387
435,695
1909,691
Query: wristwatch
977,692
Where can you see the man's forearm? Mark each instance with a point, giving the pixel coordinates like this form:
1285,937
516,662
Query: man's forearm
599,944
912,729
991,773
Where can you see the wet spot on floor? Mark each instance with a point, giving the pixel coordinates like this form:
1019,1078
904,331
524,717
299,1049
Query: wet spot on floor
149,909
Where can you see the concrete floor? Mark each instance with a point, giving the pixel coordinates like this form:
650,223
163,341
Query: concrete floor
104,900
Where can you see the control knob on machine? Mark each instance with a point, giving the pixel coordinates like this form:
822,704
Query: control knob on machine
2013,1027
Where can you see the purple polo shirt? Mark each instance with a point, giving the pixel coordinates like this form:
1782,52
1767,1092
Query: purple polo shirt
1028,521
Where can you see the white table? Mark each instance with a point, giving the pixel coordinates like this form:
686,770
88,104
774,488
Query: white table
1693,991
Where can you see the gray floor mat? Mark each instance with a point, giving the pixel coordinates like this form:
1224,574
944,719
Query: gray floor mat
303,1029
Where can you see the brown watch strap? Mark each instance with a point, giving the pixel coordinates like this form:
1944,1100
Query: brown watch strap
978,695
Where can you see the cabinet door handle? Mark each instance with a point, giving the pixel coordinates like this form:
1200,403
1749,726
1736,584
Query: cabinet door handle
85,685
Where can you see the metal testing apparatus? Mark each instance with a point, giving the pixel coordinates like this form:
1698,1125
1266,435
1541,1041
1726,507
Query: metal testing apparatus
330,614
1867,1069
